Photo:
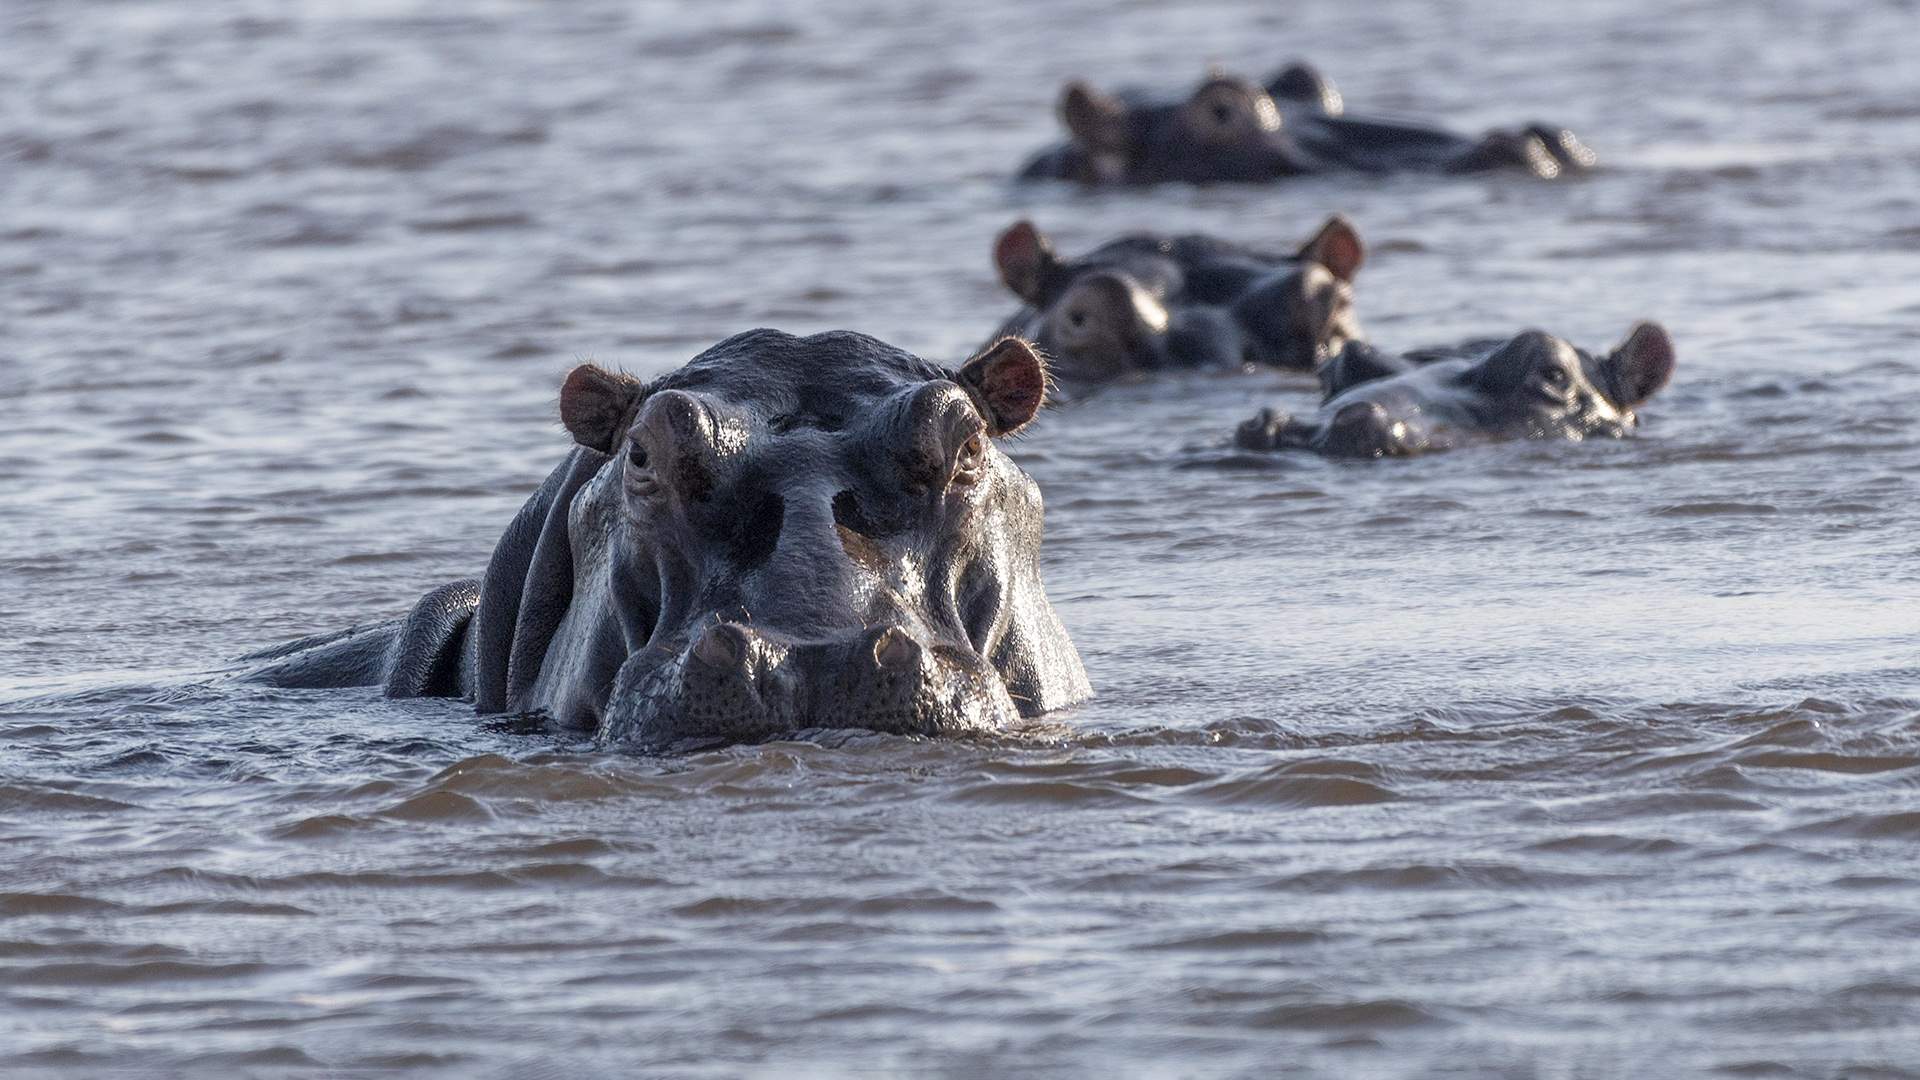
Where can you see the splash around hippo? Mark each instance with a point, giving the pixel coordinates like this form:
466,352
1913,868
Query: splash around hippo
1150,302
1533,385
784,533
1231,129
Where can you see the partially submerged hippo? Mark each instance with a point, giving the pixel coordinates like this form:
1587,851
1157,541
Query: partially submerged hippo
785,533
1233,129
1532,386
1147,302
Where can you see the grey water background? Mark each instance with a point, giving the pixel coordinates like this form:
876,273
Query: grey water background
1532,760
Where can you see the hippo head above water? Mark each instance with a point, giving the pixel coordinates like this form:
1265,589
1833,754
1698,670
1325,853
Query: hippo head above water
785,533
1227,129
1533,385
821,533
1235,130
1147,302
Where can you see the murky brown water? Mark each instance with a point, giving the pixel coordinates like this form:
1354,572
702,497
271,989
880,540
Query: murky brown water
1537,760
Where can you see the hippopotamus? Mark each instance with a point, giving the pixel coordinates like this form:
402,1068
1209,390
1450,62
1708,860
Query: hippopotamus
1234,129
1148,302
785,533
1531,386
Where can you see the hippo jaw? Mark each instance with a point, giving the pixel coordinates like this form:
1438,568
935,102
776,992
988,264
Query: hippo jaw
734,683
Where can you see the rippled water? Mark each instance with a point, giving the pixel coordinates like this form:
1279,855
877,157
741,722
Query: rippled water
1534,760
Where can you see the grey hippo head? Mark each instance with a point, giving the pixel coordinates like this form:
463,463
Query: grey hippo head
1149,302
812,532
1531,386
1230,129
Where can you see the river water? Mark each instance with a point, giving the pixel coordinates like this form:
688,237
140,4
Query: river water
1534,760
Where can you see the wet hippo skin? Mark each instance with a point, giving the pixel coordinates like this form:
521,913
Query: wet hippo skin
1232,129
1148,302
1530,386
784,533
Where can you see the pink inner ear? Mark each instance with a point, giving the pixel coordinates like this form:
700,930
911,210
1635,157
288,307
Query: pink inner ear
1092,117
1008,383
1337,247
1647,361
593,402
1016,386
1019,256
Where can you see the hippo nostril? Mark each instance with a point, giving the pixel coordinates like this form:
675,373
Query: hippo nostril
723,646
756,533
895,650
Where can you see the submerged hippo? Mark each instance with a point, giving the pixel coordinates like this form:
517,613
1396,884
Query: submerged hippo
1533,386
1233,129
785,533
1146,302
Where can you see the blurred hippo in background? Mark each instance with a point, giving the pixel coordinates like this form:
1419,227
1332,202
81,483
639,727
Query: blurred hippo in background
1531,386
785,533
1149,302
1234,129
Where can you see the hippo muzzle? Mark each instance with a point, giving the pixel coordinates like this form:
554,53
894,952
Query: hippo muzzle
732,682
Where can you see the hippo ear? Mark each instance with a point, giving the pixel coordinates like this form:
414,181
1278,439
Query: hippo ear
1337,247
596,404
1304,83
1025,259
1008,384
1097,120
1640,366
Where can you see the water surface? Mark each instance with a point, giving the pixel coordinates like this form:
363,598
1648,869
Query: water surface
1533,760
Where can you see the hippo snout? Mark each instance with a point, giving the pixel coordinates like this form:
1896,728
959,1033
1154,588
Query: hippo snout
1365,429
735,682
1273,430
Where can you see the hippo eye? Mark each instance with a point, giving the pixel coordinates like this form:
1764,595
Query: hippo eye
637,455
973,454
1556,378
1222,114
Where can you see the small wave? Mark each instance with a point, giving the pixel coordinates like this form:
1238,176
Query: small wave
466,223
434,146
1715,509
924,902
1288,786
1899,825
439,806
572,873
93,973
1830,762
679,47
1609,844
726,907
224,907
1048,793
1433,876
26,800
1385,1013
1240,941
20,903
377,558
588,779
